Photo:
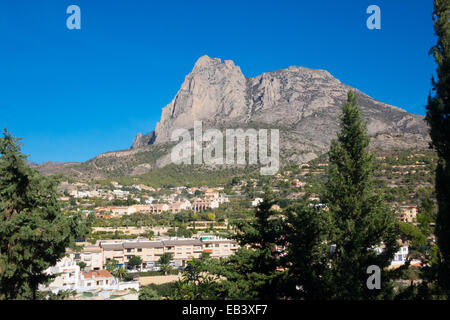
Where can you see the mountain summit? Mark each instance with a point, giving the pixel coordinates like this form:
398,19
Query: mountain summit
305,103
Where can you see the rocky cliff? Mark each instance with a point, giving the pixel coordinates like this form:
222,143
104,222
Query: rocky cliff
304,104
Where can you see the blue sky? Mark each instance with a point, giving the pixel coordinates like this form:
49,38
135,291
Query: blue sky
72,94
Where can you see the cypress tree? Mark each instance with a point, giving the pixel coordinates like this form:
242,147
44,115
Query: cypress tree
360,221
34,233
438,118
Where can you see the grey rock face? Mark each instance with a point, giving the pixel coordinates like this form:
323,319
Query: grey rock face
305,102
213,92
141,141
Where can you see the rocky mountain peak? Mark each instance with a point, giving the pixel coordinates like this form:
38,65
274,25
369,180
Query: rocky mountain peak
214,90
305,101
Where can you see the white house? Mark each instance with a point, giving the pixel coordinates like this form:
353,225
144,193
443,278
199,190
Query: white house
68,275
256,202
96,279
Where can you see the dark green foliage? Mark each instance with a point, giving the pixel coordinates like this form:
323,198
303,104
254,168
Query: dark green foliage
148,293
409,232
134,262
164,262
119,272
164,290
308,253
426,216
180,232
438,117
34,233
360,221
193,175
198,282
252,273
82,265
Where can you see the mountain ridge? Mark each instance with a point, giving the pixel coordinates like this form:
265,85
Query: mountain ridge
304,103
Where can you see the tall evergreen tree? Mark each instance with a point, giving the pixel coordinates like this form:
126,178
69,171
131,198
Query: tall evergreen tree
34,233
360,219
253,271
438,118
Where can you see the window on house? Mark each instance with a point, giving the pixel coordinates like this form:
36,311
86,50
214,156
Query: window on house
139,250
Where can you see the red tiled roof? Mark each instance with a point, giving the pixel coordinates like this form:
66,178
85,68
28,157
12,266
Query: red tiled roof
97,274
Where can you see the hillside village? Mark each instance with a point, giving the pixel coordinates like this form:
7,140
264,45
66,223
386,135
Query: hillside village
142,221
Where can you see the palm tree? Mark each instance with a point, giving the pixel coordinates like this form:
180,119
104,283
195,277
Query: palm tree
121,273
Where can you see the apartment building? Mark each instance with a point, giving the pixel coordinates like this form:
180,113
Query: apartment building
92,256
182,250
204,204
178,206
148,251
219,247
159,208
408,214
68,275
116,211
113,251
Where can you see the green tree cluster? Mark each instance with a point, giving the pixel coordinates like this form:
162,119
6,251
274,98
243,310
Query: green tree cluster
34,233
438,118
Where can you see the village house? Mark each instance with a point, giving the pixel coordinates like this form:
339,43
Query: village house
97,279
256,202
92,256
159,208
298,184
204,204
116,210
68,275
408,214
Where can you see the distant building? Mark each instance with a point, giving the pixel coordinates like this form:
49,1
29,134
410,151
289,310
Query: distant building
400,257
182,250
408,214
116,211
256,202
92,256
97,279
69,277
